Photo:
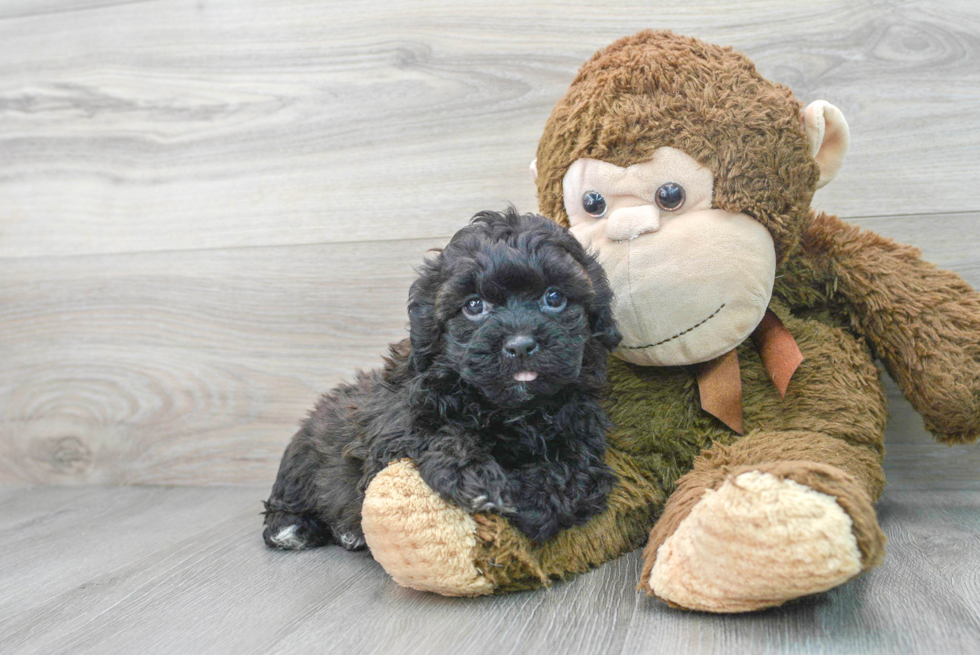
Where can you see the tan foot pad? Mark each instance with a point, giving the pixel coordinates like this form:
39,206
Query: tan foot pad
756,542
422,541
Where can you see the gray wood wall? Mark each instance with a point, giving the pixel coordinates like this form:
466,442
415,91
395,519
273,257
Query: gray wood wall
210,210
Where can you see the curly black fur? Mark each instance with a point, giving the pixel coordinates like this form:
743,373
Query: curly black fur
529,450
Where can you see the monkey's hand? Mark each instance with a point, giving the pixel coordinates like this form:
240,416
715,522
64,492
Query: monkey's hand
421,540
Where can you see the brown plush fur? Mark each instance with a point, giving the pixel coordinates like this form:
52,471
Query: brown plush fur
921,321
833,414
649,90
847,296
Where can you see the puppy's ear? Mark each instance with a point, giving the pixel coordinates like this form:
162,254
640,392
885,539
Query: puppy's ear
601,319
605,336
604,329
424,328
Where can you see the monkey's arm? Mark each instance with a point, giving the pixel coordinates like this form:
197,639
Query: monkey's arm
921,321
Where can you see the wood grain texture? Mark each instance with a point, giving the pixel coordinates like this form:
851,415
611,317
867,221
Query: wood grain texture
166,570
133,126
195,367
210,211
189,367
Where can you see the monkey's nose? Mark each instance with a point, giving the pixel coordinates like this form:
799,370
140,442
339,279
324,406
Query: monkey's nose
628,223
520,345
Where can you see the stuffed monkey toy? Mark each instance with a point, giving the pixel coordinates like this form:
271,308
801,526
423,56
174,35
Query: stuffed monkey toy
748,408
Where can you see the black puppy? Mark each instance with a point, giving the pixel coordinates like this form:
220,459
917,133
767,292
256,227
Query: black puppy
495,398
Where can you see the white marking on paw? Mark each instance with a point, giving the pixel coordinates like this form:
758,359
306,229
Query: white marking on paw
351,541
288,540
482,504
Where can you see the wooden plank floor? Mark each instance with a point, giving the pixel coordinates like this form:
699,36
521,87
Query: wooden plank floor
209,214
210,209
183,570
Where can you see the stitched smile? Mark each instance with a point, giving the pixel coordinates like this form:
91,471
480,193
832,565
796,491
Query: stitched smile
679,334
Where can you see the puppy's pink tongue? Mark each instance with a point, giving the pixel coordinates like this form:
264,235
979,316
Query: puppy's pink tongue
525,376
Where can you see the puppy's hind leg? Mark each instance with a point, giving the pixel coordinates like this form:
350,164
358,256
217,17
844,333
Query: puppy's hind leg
317,496
293,531
291,521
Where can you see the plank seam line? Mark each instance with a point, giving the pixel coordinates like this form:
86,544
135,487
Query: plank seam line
318,244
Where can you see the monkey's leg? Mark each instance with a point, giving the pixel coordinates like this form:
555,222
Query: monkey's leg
776,516
425,543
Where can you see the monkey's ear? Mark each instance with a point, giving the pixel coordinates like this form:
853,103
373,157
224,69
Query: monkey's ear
534,169
424,330
829,138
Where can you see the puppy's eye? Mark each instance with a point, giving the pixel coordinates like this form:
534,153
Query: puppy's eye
671,196
594,203
553,300
475,308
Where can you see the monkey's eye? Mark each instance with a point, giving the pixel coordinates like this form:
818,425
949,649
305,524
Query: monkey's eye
594,203
670,197
475,308
553,301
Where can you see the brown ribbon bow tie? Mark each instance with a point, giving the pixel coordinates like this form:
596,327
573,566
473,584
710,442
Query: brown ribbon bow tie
720,380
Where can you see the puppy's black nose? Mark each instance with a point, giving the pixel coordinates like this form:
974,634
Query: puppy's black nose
520,345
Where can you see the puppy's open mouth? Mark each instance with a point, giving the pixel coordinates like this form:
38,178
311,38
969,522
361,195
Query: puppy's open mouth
525,376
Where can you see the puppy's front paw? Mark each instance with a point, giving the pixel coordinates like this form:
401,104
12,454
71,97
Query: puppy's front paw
350,539
475,487
494,502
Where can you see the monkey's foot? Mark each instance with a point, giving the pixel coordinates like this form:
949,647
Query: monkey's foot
761,538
